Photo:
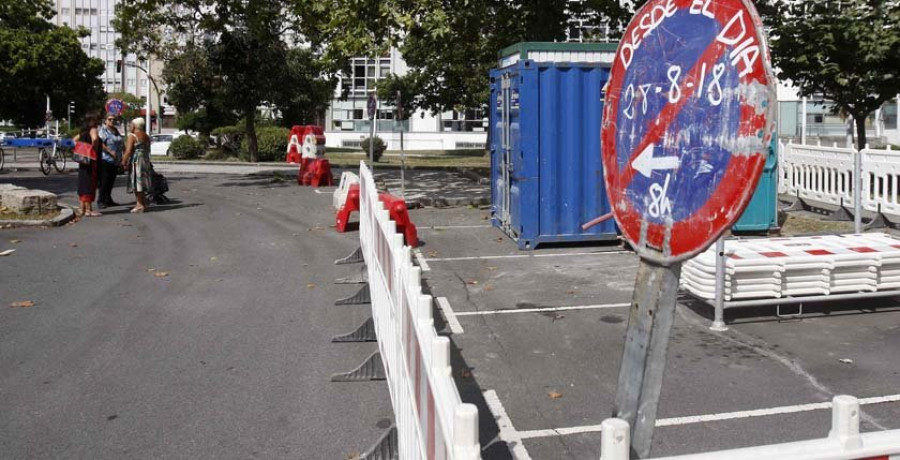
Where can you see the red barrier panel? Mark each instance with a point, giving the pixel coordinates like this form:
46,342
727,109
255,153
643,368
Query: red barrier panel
314,172
395,206
305,142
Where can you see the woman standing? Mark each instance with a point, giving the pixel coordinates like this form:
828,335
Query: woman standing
113,146
87,173
137,161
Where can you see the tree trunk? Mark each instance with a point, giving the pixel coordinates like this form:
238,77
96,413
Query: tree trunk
252,144
860,120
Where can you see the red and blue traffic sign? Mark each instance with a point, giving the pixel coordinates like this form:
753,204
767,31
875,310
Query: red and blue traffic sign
115,107
687,123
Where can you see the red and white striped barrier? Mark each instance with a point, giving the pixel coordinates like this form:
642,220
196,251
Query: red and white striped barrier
432,421
844,441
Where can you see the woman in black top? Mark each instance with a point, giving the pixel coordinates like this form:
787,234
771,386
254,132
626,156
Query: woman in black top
87,173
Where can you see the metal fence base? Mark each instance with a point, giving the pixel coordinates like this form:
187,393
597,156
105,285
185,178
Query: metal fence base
841,215
880,221
371,369
797,205
386,448
361,278
356,257
360,298
364,333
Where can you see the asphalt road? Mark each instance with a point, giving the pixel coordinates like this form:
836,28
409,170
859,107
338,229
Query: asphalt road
198,330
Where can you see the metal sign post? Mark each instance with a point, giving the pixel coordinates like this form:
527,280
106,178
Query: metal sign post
686,127
370,107
402,154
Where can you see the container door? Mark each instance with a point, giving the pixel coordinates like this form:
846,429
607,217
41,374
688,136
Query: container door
514,158
504,173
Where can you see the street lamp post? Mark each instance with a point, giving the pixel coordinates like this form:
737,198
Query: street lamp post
150,80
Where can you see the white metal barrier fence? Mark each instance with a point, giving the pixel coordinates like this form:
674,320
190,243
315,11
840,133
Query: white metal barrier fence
432,421
844,441
825,174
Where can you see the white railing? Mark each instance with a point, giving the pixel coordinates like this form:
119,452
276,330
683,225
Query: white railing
825,174
432,421
844,441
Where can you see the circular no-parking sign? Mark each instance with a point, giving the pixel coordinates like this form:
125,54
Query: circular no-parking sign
115,107
687,123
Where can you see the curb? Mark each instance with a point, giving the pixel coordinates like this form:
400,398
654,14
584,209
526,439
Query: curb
66,214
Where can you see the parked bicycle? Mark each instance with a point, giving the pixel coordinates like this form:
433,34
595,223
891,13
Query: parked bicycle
55,158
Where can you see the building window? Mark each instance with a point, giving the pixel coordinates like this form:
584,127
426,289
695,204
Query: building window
64,11
470,120
364,73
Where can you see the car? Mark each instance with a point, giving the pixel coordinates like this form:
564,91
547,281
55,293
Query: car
160,143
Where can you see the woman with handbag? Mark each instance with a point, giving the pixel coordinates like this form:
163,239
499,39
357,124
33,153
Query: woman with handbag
87,165
137,161
112,144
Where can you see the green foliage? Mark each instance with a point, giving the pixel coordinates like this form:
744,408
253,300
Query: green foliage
203,120
378,149
847,52
273,142
229,139
187,148
37,60
232,57
407,88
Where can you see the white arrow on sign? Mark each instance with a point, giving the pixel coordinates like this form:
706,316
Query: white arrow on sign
645,163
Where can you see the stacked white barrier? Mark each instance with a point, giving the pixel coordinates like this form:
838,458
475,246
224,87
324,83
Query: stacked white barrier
348,178
799,266
432,422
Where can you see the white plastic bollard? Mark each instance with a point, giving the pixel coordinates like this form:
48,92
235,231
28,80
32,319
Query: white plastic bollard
465,433
615,439
845,422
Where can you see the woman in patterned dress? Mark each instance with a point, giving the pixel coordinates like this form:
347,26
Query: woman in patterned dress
137,162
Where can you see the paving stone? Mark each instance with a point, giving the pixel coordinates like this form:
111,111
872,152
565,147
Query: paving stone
29,202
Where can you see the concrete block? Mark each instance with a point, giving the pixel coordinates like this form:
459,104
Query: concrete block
29,202
8,188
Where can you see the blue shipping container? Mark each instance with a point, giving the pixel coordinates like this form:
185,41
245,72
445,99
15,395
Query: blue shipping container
546,169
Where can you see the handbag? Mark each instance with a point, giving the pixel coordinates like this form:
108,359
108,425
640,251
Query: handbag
83,153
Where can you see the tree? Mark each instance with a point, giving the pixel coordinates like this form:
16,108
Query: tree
229,55
404,88
39,60
847,52
304,94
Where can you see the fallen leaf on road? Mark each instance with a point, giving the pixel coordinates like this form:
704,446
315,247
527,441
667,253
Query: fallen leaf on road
472,282
22,304
15,241
138,236
161,274
213,258
151,269
73,245
237,214
491,268
570,292
465,373
311,285
7,252
846,361
432,254
554,395
352,456
488,287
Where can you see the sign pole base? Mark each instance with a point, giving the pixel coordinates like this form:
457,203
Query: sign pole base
644,356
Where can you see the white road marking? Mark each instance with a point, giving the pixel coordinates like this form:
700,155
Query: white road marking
522,256
539,310
691,419
508,433
323,193
454,227
421,260
447,310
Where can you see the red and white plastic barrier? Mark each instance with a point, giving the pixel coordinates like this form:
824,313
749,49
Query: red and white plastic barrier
844,441
348,178
306,147
432,421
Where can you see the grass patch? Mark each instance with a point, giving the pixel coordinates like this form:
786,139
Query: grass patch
6,214
794,224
